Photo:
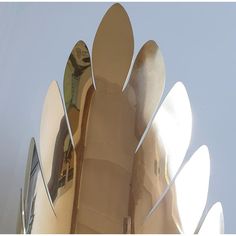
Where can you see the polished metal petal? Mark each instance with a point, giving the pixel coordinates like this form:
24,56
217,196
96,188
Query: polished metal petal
146,85
77,86
31,175
173,126
214,221
78,92
161,154
57,156
20,228
180,209
113,48
191,190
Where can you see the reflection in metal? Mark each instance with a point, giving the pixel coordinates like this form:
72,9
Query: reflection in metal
146,85
58,164
55,145
78,91
108,161
31,176
77,83
214,221
161,154
181,208
113,48
21,216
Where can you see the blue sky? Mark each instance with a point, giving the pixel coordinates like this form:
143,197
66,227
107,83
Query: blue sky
197,40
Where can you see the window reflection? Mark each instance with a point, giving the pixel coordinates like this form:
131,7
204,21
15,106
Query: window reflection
62,163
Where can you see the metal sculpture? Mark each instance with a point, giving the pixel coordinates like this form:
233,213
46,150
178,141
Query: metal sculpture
111,158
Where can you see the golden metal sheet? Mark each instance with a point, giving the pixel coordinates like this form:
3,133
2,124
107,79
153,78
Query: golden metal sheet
161,154
77,82
78,91
146,85
106,125
57,157
214,221
180,210
113,48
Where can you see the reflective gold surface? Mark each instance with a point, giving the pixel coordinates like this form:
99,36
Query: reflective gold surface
108,162
146,85
161,154
103,151
181,208
214,221
112,48
78,91
114,128
58,167
77,83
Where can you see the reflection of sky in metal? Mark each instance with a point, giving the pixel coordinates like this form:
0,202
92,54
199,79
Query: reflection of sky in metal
198,45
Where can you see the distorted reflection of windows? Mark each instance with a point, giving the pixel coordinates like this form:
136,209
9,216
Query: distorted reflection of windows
63,163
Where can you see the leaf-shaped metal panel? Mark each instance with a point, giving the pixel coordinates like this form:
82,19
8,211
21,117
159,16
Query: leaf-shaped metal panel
161,153
214,221
20,227
31,175
77,84
191,189
57,156
146,85
181,207
113,48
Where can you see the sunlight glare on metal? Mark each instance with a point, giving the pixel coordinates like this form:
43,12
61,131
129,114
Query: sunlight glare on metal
191,189
173,125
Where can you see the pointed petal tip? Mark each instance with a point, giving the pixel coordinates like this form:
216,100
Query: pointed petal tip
117,6
114,41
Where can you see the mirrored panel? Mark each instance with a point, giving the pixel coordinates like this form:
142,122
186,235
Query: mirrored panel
214,221
180,209
78,92
107,141
146,85
31,175
161,154
20,227
113,48
55,145
77,86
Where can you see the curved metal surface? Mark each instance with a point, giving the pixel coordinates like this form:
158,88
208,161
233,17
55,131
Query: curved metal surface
161,154
181,208
91,179
113,48
146,85
77,81
78,90
214,221
20,228
31,175
57,159
107,142
111,135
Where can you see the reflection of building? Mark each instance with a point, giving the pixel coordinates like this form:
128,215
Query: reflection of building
108,161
